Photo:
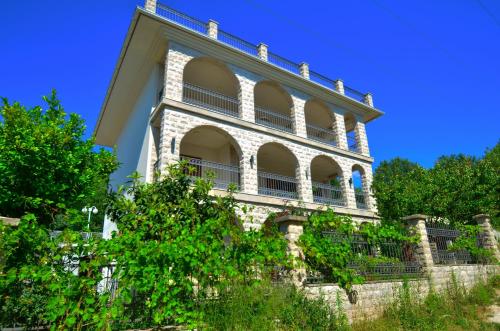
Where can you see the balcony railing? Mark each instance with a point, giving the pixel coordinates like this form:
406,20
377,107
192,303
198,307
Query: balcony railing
352,143
221,174
85,235
328,194
321,134
211,100
274,120
277,185
360,199
250,48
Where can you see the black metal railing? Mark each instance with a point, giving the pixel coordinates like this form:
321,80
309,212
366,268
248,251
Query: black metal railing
273,119
360,199
352,143
321,134
328,194
277,185
251,49
221,174
441,238
210,100
85,235
385,260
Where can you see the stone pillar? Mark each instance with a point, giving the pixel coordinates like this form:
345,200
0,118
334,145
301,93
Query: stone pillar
368,99
150,5
416,225
340,133
339,86
292,227
213,28
248,165
490,241
262,51
304,70
303,175
350,197
298,115
361,138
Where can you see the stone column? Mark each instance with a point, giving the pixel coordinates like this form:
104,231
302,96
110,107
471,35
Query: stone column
368,99
213,28
490,241
339,86
292,227
349,185
340,133
303,175
304,70
361,138
150,5
262,51
416,225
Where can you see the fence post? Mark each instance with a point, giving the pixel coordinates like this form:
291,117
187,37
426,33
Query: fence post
304,70
212,29
368,99
262,51
292,228
483,221
416,224
339,86
150,5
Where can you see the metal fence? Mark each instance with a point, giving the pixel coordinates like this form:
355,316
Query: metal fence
237,42
85,235
273,119
221,174
360,199
328,194
386,260
211,100
283,63
251,49
352,143
441,238
321,134
182,19
277,185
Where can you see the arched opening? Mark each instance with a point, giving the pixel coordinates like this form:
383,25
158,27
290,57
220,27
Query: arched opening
359,185
350,125
320,123
212,152
277,169
273,106
327,181
208,83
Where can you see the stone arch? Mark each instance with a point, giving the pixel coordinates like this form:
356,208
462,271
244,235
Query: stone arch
210,83
327,180
278,171
212,150
360,186
320,121
273,106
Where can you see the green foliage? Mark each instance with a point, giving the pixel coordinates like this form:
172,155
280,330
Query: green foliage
263,306
456,188
176,247
455,309
468,241
332,255
46,167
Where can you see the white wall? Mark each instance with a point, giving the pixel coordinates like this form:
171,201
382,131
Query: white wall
133,147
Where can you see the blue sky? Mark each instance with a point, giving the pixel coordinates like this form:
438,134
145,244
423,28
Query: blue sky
432,66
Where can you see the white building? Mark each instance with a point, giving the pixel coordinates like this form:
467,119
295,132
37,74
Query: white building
183,88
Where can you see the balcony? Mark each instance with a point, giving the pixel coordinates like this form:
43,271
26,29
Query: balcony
360,199
328,194
273,120
222,175
322,135
210,100
277,185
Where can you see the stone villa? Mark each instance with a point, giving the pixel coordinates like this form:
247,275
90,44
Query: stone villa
185,89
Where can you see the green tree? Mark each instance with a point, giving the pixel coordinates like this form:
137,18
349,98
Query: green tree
46,165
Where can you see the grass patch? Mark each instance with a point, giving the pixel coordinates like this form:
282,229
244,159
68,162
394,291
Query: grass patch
455,309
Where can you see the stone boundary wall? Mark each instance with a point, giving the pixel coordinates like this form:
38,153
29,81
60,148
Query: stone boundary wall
374,297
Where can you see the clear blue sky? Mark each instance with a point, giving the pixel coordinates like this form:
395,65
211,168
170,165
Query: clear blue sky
432,66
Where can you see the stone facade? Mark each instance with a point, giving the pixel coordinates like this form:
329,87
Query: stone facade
178,118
